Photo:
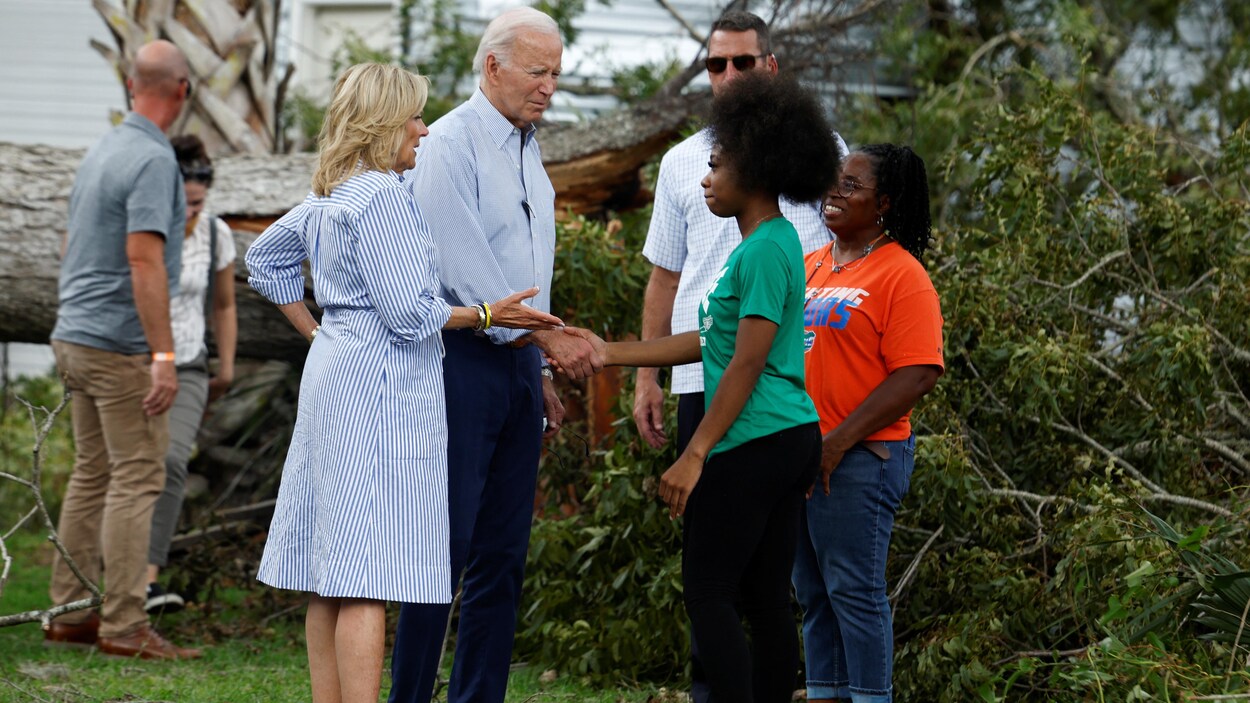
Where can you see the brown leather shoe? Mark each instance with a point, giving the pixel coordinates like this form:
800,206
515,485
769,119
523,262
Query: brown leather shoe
81,635
145,643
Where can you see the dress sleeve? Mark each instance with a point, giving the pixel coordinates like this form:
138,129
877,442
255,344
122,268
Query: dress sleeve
275,260
397,266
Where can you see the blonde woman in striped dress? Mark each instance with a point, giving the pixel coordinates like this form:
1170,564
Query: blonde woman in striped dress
362,511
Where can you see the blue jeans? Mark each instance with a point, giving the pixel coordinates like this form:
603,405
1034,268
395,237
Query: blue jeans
839,575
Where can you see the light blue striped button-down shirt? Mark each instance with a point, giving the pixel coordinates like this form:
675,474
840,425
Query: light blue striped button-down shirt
479,182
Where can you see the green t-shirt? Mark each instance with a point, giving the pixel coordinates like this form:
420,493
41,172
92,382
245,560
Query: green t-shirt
762,278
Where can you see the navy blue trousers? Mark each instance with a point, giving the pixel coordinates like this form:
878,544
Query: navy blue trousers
494,423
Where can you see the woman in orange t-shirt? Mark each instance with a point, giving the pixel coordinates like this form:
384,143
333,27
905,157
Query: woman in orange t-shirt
873,340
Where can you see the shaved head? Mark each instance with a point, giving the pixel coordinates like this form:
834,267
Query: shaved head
159,69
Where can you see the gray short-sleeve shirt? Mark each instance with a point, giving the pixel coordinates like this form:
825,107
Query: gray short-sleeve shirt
128,182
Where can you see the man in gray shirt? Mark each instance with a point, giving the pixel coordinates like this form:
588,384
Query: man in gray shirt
115,351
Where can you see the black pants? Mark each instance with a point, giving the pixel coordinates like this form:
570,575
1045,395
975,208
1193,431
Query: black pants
741,529
689,415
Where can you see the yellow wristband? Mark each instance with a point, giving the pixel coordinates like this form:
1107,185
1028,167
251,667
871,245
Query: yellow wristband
162,356
486,306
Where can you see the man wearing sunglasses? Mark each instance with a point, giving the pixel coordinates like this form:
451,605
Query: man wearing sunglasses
688,245
115,351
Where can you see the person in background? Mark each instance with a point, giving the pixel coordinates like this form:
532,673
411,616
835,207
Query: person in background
740,481
480,183
361,516
115,351
207,274
874,348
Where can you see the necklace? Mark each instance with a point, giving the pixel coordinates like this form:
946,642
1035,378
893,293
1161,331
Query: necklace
840,267
748,232
811,293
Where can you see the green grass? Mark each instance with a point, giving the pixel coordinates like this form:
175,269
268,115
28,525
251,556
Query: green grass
244,659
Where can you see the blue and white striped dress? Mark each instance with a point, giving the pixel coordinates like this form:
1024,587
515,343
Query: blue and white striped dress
362,509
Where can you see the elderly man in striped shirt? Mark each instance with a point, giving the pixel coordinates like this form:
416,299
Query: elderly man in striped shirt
479,182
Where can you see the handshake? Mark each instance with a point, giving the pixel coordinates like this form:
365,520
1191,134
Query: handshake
575,352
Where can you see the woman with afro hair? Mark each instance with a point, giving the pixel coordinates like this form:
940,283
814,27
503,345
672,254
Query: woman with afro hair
740,483
874,348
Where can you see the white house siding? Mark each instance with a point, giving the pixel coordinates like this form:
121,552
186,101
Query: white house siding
319,28
54,88
18,359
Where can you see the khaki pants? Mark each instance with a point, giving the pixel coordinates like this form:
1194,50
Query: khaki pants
119,471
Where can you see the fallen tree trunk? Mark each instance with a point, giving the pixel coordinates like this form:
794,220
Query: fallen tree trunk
593,166
34,190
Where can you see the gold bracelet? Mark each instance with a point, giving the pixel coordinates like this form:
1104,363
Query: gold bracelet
313,335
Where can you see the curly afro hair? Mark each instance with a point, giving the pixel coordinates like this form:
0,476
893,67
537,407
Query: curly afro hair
901,176
773,134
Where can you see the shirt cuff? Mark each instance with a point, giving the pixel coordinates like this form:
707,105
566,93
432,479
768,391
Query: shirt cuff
279,292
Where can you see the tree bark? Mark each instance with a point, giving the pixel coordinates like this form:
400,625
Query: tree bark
35,183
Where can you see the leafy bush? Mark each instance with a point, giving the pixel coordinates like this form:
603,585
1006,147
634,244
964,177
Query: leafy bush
1095,280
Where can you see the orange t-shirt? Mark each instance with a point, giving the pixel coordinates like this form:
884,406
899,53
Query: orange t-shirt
878,315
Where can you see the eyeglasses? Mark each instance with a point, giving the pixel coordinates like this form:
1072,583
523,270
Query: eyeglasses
189,87
846,187
745,62
197,173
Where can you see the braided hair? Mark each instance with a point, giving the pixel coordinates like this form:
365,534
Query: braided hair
900,174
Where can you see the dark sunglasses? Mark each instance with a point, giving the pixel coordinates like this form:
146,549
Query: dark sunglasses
745,62
189,87
197,173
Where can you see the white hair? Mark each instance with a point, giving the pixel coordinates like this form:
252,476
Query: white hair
503,32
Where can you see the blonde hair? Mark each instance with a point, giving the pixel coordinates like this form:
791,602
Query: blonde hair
364,125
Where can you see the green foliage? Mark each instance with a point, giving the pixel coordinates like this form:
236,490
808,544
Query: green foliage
603,586
600,273
603,591
17,440
445,54
1094,270
301,119
634,84
1095,280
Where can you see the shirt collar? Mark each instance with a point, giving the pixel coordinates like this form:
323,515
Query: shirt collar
498,128
143,124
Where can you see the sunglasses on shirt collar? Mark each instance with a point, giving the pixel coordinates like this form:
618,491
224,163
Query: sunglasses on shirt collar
745,62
